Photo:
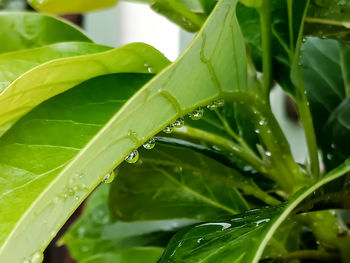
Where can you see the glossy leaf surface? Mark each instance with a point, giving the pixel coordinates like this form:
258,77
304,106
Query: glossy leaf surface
326,74
31,161
77,165
96,238
56,76
242,238
171,182
70,6
21,30
14,64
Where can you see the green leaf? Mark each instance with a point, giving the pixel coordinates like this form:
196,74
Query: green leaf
56,76
329,19
94,237
242,238
180,184
179,13
29,30
326,76
78,156
70,6
129,255
14,64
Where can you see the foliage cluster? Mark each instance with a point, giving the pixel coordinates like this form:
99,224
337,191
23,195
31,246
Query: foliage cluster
213,178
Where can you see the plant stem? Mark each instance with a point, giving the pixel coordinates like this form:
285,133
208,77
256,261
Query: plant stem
266,33
306,119
282,167
311,254
236,149
235,136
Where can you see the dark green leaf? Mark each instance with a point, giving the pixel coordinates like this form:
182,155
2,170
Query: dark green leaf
242,238
175,183
329,19
94,237
29,30
326,74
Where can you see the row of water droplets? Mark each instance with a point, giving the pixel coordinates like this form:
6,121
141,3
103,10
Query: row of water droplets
37,257
197,114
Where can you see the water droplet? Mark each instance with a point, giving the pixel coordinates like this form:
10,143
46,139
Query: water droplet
257,131
132,157
180,122
216,104
177,169
329,156
261,122
109,178
266,220
199,240
197,114
100,217
38,257
149,144
169,129
81,231
220,103
333,146
268,154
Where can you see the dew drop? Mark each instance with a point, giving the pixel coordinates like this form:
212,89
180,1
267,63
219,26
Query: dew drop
109,178
257,131
149,144
197,114
220,103
333,146
266,220
169,129
180,122
38,257
148,67
329,156
132,157
261,122
268,154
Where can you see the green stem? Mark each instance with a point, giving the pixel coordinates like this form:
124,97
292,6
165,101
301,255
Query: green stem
282,167
225,144
306,120
266,33
234,135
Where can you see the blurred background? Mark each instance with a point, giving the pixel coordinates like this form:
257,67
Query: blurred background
135,22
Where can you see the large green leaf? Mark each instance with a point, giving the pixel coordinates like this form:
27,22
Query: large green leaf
326,76
94,237
14,64
70,6
55,172
28,30
242,238
180,184
56,76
